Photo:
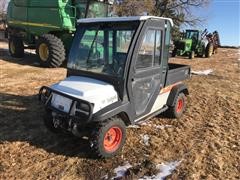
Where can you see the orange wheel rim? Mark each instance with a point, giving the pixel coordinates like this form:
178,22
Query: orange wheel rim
179,105
112,139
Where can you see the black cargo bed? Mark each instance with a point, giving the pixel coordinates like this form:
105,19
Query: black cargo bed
176,73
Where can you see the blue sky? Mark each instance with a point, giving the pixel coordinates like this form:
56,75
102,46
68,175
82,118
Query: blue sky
223,16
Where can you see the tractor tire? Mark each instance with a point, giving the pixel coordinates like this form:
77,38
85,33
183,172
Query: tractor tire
50,51
179,106
174,53
192,55
209,50
16,47
108,138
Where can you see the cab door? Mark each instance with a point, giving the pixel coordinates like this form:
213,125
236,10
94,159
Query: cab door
146,81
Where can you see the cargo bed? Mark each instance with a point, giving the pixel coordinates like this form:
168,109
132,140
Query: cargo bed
176,73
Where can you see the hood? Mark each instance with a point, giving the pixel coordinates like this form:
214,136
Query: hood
97,92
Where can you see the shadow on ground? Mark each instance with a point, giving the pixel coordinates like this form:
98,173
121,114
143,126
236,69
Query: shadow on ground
21,120
30,58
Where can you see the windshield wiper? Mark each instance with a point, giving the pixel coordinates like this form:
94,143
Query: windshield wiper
94,40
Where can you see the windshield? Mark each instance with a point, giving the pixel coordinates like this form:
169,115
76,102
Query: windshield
191,35
95,9
101,48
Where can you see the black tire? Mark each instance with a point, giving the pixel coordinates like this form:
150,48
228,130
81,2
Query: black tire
48,122
192,55
209,50
16,47
174,53
202,53
176,111
55,54
99,141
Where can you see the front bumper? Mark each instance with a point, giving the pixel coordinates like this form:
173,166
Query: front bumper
80,111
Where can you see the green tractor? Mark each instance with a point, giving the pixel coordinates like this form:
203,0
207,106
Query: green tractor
196,43
48,26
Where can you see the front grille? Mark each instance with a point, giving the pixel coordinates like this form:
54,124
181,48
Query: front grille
79,109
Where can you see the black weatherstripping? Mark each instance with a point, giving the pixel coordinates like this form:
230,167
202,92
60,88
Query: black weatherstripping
45,96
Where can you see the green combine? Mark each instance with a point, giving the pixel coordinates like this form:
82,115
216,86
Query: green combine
48,26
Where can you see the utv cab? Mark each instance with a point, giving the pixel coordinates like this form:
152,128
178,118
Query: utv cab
117,74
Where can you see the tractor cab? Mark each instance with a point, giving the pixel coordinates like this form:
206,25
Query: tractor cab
91,8
192,34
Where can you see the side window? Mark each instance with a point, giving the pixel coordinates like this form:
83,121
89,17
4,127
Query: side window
146,51
150,50
123,40
158,48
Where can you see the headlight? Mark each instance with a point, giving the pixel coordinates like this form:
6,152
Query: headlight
44,94
82,106
82,110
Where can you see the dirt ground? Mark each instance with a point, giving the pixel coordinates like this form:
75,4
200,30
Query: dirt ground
206,140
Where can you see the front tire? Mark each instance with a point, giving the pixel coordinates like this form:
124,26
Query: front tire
16,47
50,51
209,50
179,106
108,138
192,55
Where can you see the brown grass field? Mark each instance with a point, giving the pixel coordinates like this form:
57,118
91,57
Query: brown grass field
206,140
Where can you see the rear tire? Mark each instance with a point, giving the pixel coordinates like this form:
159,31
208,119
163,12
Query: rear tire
209,50
50,51
179,106
192,55
16,47
108,138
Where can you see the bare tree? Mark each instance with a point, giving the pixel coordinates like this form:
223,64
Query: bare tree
181,11
3,8
133,7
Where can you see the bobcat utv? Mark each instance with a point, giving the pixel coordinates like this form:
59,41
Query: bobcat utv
115,78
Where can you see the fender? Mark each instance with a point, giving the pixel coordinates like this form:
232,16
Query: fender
174,93
113,110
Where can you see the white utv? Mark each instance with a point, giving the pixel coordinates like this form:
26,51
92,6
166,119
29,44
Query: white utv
117,74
